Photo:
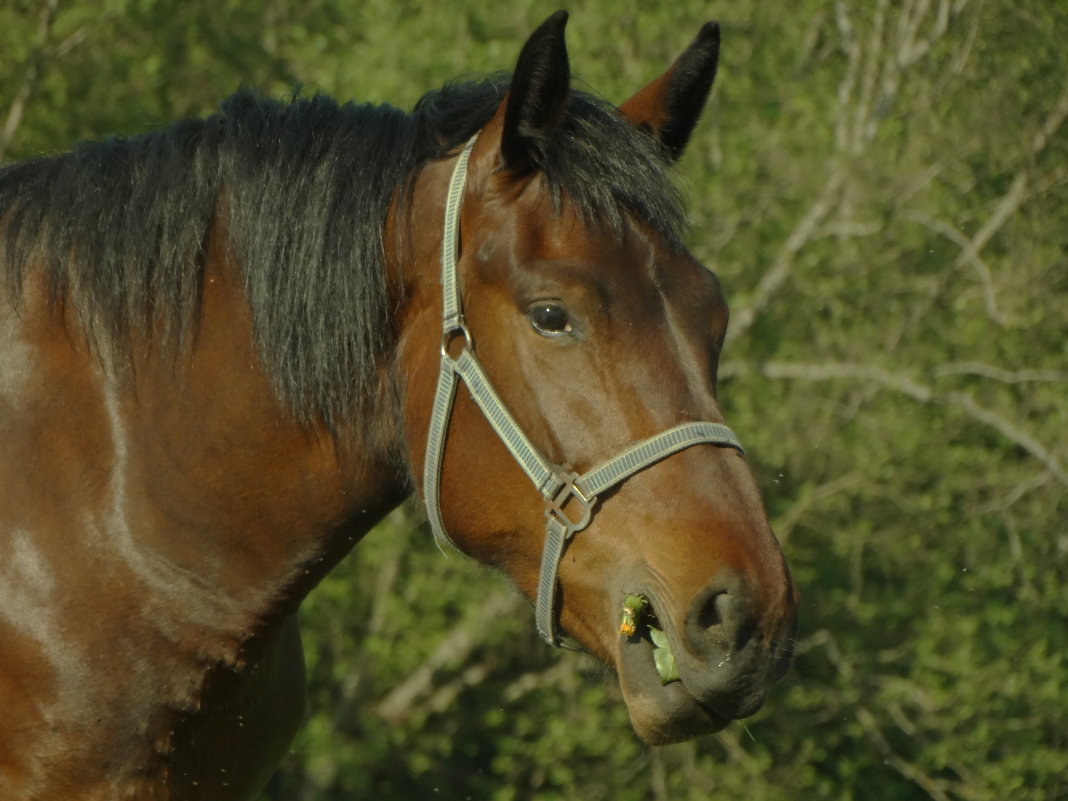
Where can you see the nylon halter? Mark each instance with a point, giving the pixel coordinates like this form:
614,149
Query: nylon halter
570,498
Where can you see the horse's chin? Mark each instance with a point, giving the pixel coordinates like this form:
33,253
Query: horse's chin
660,713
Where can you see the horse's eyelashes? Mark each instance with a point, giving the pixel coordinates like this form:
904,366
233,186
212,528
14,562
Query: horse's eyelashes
549,318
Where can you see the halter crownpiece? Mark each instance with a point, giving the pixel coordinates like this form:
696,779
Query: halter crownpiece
570,498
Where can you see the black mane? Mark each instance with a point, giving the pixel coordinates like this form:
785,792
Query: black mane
120,226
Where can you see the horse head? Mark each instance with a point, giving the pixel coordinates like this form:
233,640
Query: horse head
582,339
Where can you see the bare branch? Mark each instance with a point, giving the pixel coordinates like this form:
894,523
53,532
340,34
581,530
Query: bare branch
533,680
34,69
964,51
1008,430
936,788
871,81
864,123
1017,492
852,228
779,272
1007,204
71,42
1056,118
454,648
786,522
907,386
446,694
969,253
847,35
1000,374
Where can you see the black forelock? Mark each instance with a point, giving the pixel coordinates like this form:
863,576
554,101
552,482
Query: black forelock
594,159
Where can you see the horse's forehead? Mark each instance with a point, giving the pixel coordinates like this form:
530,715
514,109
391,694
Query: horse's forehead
533,228
635,261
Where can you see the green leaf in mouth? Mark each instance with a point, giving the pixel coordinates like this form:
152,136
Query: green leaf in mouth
636,614
663,656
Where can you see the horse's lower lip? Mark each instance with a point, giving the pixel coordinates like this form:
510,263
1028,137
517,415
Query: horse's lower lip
660,713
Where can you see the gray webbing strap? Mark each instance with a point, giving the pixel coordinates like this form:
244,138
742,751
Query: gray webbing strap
648,451
593,482
556,536
435,451
569,498
541,472
452,323
452,309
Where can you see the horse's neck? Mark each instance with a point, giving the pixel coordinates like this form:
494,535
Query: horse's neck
237,503
155,523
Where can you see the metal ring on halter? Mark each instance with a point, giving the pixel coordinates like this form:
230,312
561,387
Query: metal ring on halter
457,331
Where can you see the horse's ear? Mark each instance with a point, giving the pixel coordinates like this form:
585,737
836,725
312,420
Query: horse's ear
670,106
538,94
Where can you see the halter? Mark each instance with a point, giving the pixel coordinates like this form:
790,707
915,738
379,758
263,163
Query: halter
570,498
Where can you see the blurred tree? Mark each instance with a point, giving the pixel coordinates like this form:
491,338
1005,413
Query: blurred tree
883,188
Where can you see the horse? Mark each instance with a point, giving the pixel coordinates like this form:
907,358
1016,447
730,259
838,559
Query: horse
229,347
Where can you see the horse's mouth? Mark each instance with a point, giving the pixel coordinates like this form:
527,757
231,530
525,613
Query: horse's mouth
662,710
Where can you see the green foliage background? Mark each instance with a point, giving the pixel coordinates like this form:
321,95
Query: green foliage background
883,189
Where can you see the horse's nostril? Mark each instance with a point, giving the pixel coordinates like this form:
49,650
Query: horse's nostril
730,659
721,620
713,612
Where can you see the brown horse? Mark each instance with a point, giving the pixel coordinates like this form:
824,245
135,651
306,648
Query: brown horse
225,347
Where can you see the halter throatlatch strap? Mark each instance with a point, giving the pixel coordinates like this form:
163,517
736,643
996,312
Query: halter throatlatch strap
570,498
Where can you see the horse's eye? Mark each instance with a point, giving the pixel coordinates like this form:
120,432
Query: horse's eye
549,319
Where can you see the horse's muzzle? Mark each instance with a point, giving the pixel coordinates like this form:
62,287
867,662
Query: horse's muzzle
729,649
732,655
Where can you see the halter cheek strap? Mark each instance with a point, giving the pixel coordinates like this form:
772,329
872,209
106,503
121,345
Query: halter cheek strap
570,498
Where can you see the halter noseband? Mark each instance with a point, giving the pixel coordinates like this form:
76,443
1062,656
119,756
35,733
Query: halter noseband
569,497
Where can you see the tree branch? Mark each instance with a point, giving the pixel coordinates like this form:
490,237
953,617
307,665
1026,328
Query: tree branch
907,386
34,69
935,788
969,253
1056,118
455,646
779,272
871,82
786,522
1000,374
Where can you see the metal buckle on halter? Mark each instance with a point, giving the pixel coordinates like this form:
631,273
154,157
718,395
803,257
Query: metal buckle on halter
568,495
456,331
